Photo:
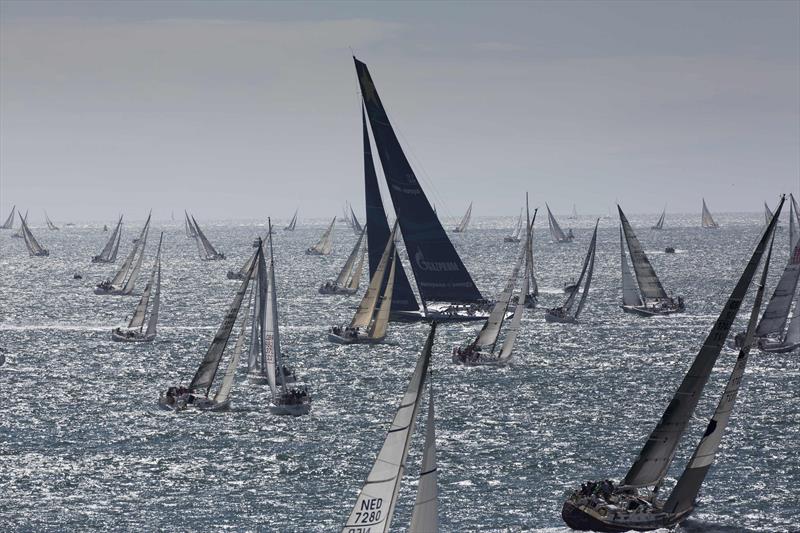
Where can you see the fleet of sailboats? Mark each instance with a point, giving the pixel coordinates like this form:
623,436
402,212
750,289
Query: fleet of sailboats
707,220
462,226
565,312
556,233
349,277
136,332
109,252
325,244
376,502
647,296
633,504
34,248
124,280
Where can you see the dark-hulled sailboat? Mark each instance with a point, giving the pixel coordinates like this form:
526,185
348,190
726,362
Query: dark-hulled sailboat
634,503
446,288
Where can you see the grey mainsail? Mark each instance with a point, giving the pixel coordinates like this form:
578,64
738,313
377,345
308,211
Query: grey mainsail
9,223
534,286
767,214
209,253
556,232
630,294
125,269
660,223
292,223
425,516
491,328
356,224
365,313
586,272
153,284
777,312
375,505
153,322
18,234
204,377
513,329
655,457
649,284
33,246
462,226
707,219
794,223
683,496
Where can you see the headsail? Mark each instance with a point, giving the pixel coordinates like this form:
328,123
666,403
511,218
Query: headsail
655,457
130,282
9,223
708,220
124,270
374,507
139,313
439,271
462,226
768,214
403,298
230,371
777,312
425,517
649,284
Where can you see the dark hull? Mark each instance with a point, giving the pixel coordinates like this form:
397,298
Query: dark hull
641,311
577,519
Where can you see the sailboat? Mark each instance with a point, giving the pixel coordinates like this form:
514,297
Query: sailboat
772,333
651,299
18,234
375,505
369,324
354,223
794,222
446,288
565,313
462,226
292,223
325,244
34,248
191,232
196,395
515,234
124,280
660,222
204,246
707,219
242,272
481,351
9,223
49,222
136,332
109,252
350,275
634,503
556,233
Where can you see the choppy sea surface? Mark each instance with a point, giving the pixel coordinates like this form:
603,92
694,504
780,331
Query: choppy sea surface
84,446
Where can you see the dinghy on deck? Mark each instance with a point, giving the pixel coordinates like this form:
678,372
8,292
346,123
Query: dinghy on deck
135,331
564,313
633,504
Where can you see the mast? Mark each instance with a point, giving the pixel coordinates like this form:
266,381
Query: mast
655,457
374,507
438,269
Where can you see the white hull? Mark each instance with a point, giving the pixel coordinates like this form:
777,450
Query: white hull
650,311
354,340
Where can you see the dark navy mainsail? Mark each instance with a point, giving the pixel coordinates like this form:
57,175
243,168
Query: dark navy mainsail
403,298
439,271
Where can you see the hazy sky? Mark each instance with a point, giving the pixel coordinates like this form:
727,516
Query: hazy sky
249,109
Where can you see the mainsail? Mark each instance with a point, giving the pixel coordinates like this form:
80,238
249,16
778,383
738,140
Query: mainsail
425,517
109,253
33,246
649,284
403,298
125,269
513,330
556,232
438,269
660,223
325,243
365,314
204,377
708,220
462,226
270,340
630,294
130,282
230,371
208,252
346,277
153,286
586,272
777,312
9,223
292,223
515,234
49,222
655,457
491,328
374,507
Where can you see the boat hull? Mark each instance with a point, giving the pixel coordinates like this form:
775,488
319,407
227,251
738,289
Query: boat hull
777,347
511,239
118,337
314,252
234,275
345,291
291,410
110,292
648,311
585,519
336,339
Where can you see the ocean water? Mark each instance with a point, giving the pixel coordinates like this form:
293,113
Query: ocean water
84,446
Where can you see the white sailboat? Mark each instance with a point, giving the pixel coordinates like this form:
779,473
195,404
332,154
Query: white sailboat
634,503
191,232
196,395
660,223
18,233
292,223
34,248
772,332
242,272
325,244
136,332
49,222
565,313
531,298
9,223
371,320
556,233
515,234
349,277
481,351
109,252
204,246
707,220
124,280
375,505
462,226
651,298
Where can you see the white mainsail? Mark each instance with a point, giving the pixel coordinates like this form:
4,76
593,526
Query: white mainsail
271,338
139,313
153,322
630,295
374,507
708,220
230,371
513,329
425,517
491,328
130,282
777,312
462,226
208,253
355,279
515,234
125,269
348,270
586,272
325,243
649,284
366,308
534,286
556,232
9,223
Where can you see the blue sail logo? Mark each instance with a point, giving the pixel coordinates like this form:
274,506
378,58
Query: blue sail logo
434,266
